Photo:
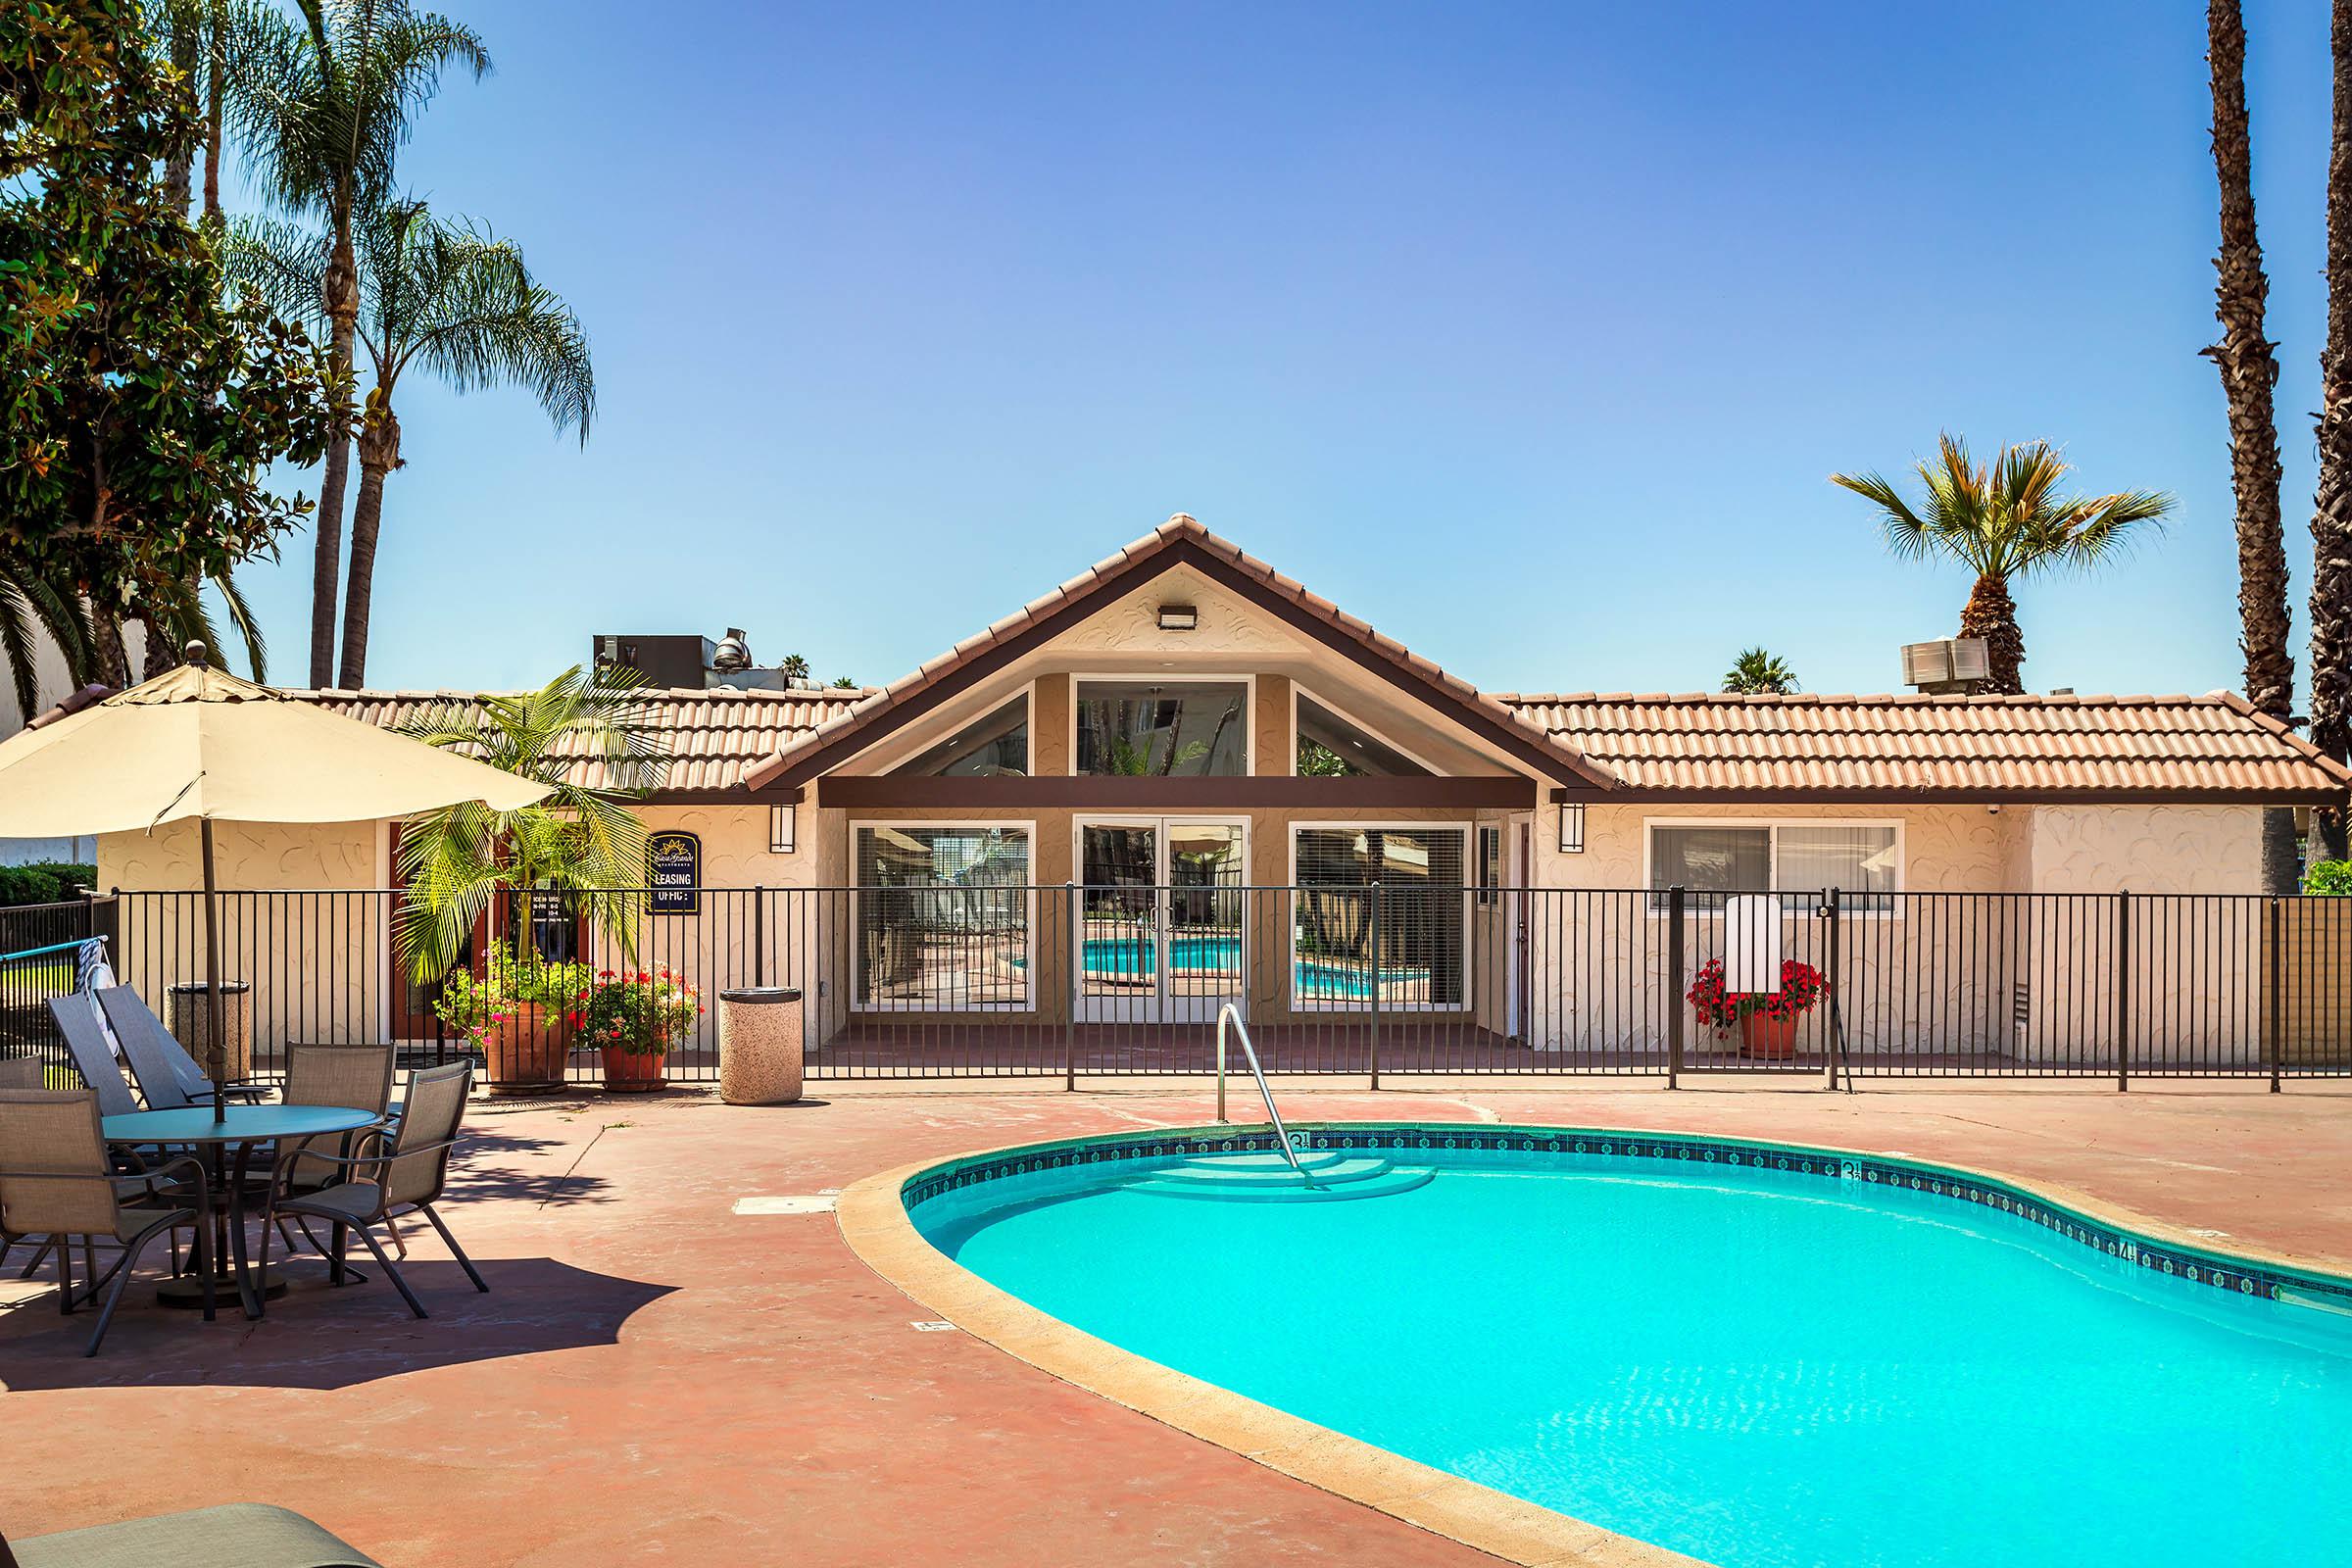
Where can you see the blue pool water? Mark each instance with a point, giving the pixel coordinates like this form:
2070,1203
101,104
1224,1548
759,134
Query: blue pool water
1204,959
1751,1366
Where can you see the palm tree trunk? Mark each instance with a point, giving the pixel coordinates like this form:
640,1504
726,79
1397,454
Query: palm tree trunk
379,454
341,297
215,66
2249,367
106,637
2332,513
185,56
1991,614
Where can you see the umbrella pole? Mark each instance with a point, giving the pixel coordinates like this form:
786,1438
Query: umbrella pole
217,1045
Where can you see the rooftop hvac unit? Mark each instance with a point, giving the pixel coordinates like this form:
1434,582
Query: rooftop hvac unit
1947,664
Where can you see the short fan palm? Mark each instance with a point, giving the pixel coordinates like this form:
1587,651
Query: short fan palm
2006,521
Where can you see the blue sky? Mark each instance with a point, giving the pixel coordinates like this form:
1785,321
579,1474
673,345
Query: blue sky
1529,332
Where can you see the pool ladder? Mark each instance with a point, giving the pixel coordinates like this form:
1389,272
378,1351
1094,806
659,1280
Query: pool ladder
1231,1014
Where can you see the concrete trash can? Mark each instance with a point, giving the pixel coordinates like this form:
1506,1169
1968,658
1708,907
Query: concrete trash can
191,1024
759,1046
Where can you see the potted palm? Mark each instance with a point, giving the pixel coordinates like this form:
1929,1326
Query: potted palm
469,868
632,1019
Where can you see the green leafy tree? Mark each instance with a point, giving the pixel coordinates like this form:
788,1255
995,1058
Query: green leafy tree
2005,523
323,101
141,407
450,301
1757,673
582,841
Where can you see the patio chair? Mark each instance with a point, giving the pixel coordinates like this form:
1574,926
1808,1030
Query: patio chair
390,1174
94,1062
236,1535
358,1076
58,1180
21,1072
169,1077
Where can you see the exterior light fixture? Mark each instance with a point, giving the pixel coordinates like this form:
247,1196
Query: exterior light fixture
1572,830
783,828
1178,617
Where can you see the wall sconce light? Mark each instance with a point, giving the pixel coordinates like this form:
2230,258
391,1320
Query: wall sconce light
1178,617
1572,830
783,829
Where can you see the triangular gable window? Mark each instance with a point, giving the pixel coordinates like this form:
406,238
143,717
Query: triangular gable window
1333,747
996,744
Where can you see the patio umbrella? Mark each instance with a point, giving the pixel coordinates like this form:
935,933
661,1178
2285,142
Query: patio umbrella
197,742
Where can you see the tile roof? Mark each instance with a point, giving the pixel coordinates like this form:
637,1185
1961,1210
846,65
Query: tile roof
715,735
1178,530
1925,747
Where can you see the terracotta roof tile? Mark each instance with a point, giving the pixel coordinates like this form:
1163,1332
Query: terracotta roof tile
713,735
1924,745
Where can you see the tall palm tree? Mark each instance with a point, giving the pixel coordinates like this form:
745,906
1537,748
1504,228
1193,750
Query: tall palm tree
2004,523
450,300
33,607
2331,513
2249,367
322,104
583,840
1757,673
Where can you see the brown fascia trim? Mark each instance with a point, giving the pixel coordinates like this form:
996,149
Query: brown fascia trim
732,795
1511,737
2085,795
1104,793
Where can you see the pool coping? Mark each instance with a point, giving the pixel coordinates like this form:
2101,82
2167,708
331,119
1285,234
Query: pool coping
876,1221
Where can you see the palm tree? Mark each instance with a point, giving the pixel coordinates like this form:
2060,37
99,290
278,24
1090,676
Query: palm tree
2005,522
450,300
843,683
33,607
322,104
1757,673
2249,370
791,667
2331,513
583,840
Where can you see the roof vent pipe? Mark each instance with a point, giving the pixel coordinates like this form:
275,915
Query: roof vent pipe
732,651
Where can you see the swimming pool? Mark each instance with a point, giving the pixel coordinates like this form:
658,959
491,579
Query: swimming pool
1193,960
1757,1356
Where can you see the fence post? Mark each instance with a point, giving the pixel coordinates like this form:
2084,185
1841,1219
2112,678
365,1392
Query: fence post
2274,1037
2123,991
1675,984
759,935
1075,948
1375,983
1830,912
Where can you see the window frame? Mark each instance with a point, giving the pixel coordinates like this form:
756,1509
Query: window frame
1462,826
1772,855
1025,692
1246,681
857,891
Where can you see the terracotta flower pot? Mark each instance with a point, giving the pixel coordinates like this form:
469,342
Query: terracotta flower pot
1769,1039
528,1050
634,1072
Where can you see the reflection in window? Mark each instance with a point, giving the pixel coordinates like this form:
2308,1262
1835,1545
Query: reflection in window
1333,747
1421,916
943,917
993,744
1797,859
1142,729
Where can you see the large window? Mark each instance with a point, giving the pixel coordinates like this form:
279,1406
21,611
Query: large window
994,744
1333,746
1163,729
943,917
1410,947
1798,858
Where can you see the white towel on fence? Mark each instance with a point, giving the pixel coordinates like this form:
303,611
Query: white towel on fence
93,973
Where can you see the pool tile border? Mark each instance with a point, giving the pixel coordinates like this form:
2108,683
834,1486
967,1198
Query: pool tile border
2239,1275
877,1218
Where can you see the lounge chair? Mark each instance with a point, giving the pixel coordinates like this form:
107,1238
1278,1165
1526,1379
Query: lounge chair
169,1077
57,1179
236,1535
388,1175
93,1058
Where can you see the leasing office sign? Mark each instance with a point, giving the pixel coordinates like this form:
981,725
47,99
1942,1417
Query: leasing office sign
673,872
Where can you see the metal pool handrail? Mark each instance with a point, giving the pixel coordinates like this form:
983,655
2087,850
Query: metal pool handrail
1232,1015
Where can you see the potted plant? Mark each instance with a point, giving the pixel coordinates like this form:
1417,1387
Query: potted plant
632,1019
518,1013
1767,1020
471,871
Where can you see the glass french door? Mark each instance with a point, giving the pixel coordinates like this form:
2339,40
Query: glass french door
1159,934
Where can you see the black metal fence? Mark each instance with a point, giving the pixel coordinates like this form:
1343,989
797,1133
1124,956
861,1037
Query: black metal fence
1065,982
38,943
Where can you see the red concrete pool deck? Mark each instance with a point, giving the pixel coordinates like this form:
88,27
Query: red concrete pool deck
656,1378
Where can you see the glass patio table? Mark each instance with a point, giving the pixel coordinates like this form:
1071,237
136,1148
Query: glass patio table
243,1129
